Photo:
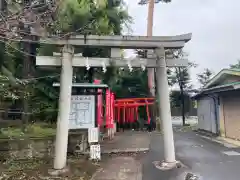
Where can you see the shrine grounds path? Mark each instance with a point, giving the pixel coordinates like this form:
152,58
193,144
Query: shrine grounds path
135,153
125,156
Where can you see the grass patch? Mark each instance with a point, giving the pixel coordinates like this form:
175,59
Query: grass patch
36,130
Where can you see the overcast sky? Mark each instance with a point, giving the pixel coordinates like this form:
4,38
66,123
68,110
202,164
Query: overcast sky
215,25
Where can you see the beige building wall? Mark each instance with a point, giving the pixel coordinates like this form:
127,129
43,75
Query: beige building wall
230,112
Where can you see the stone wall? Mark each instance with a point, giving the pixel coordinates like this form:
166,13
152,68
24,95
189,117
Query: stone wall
40,147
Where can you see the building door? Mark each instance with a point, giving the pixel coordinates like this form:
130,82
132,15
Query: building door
231,112
206,115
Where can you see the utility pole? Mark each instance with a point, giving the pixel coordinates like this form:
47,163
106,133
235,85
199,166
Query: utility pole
151,71
151,4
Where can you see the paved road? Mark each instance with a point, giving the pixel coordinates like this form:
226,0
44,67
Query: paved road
208,160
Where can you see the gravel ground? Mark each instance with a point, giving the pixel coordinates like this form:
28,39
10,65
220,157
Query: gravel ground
80,169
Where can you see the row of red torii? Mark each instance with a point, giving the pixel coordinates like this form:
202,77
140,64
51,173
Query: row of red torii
122,111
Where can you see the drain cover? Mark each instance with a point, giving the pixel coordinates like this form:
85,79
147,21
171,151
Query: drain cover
191,176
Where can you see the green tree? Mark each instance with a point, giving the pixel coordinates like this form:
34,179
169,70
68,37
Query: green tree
235,66
204,77
72,17
131,84
180,76
176,101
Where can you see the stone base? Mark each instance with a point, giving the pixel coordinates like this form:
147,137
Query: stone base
164,166
57,172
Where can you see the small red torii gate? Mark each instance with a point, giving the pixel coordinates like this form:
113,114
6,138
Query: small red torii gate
128,108
123,111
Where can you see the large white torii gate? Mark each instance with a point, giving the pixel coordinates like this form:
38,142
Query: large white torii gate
159,44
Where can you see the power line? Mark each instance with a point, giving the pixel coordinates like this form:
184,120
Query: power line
20,39
17,49
42,77
79,29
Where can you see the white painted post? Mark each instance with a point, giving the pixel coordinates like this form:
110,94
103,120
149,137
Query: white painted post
164,107
115,128
64,108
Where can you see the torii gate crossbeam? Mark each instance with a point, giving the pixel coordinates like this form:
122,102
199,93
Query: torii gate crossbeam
126,42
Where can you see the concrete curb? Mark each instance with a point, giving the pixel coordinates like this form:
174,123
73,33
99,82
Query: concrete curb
127,150
221,141
114,151
231,141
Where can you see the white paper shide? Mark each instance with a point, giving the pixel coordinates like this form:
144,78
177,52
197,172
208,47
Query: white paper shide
95,152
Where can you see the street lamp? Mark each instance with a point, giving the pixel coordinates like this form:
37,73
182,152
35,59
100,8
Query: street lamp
151,78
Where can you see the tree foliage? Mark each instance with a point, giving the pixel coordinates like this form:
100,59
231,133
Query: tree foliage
176,101
204,77
72,17
180,75
235,66
130,84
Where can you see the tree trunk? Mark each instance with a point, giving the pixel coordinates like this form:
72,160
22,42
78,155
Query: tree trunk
2,44
26,75
180,83
183,104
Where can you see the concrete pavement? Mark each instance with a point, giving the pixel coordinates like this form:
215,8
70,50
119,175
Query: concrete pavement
120,168
206,159
124,160
128,141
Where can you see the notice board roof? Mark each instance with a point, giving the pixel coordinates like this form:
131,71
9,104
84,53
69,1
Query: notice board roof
84,85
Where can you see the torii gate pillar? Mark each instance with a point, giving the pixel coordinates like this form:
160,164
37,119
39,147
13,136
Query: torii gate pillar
64,108
164,107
